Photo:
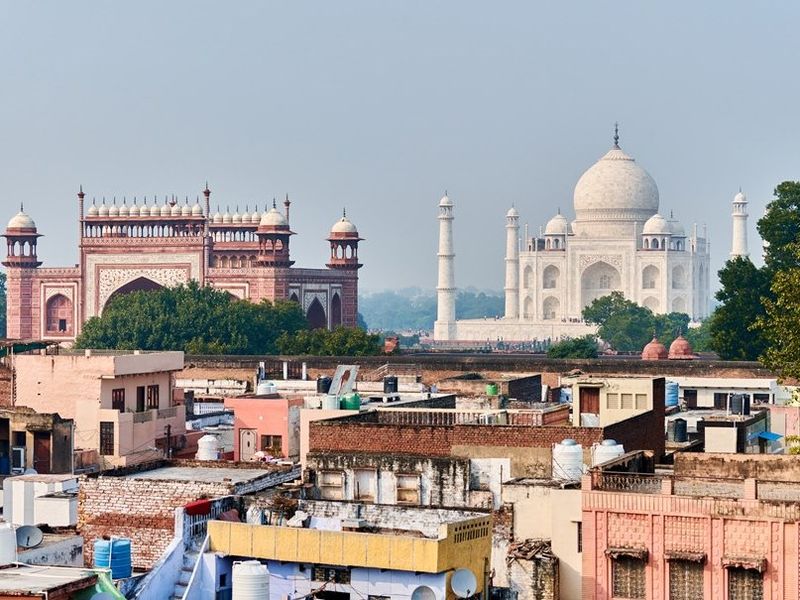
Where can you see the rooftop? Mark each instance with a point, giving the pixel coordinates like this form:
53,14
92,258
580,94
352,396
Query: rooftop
18,578
206,474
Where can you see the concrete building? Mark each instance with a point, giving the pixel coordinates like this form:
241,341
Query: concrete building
341,552
268,423
606,400
39,440
121,404
127,247
718,526
46,582
618,241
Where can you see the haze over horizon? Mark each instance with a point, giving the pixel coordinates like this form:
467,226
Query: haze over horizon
381,107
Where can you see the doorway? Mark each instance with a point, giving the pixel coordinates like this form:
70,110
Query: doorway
590,400
41,452
247,443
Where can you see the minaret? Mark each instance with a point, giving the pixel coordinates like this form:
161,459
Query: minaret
739,239
444,328
512,264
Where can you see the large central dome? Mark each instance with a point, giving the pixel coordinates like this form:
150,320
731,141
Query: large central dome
615,188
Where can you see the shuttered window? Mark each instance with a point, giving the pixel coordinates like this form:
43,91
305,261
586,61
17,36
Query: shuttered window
628,577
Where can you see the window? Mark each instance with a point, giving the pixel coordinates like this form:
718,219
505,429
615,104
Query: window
745,584
106,438
641,400
627,577
332,574
152,396
365,482
612,400
627,401
331,485
407,488
579,530
140,398
62,325
118,399
685,580
720,401
605,282
272,443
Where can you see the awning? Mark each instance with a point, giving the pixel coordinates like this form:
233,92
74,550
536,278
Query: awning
699,557
745,562
640,553
769,436
19,346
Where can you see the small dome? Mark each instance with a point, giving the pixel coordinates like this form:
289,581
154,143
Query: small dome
445,201
21,221
273,218
656,225
344,225
123,210
217,218
103,212
255,217
134,210
186,210
558,225
175,210
675,228
512,212
227,217
197,210
680,349
113,210
740,197
92,212
155,211
246,216
654,350
165,210
237,218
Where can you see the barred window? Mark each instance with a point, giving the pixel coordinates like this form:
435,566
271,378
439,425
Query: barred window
106,438
152,396
627,577
745,584
685,580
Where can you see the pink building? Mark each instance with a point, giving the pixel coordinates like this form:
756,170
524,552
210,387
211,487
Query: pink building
720,526
139,246
268,423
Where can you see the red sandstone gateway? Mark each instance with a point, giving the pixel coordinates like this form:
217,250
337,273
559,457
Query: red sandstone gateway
128,246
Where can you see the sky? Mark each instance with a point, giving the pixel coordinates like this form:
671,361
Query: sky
380,107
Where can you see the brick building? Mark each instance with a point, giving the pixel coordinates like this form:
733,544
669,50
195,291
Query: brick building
127,247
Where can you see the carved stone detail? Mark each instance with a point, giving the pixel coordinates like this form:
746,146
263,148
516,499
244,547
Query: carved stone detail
113,279
586,260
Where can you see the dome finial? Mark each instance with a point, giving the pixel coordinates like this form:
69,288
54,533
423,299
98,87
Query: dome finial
616,135
559,210
274,204
21,207
344,212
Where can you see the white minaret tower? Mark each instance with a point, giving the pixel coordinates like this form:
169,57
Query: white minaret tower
512,264
444,328
739,240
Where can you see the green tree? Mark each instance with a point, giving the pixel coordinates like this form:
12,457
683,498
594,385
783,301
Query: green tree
3,305
582,347
342,341
700,337
669,326
779,324
191,318
780,227
732,326
622,323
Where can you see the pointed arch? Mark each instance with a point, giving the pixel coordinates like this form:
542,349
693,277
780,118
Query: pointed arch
336,310
597,280
140,284
316,315
650,277
550,277
527,277
528,308
550,308
59,315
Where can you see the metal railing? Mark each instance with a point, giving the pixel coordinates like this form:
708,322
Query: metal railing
143,417
642,483
167,413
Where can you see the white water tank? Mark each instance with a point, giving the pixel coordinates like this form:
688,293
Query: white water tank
207,448
250,581
605,451
330,402
8,544
266,387
567,460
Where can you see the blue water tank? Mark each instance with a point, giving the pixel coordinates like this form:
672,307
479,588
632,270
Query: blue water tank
671,394
114,554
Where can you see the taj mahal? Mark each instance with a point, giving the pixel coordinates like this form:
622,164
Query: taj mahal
618,241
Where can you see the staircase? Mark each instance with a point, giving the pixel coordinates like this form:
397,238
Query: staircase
405,372
190,558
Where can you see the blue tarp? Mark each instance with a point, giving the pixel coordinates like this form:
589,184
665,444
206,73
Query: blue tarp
770,436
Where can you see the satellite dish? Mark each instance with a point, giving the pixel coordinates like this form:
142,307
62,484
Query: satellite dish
31,472
463,583
29,536
423,592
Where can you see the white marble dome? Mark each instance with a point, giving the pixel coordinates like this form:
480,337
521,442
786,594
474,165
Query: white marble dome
512,212
344,225
272,218
656,225
237,217
197,210
558,225
445,201
103,211
227,218
21,220
175,210
186,210
255,217
124,211
155,211
165,210
740,197
217,218
676,228
133,211
93,210
113,210
615,188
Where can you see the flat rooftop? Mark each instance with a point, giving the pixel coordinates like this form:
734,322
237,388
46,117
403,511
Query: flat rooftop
19,578
206,474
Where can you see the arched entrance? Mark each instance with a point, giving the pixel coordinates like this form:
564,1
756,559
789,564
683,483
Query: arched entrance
316,315
598,280
336,310
140,284
58,315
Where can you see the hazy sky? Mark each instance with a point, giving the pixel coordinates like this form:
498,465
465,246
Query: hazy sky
381,106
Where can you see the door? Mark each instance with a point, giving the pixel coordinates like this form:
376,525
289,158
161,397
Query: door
41,452
140,398
247,443
690,398
590,400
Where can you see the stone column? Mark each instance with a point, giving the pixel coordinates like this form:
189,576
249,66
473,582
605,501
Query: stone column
444,328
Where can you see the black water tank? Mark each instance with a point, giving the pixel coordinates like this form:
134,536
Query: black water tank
681,432
390,384
324,385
